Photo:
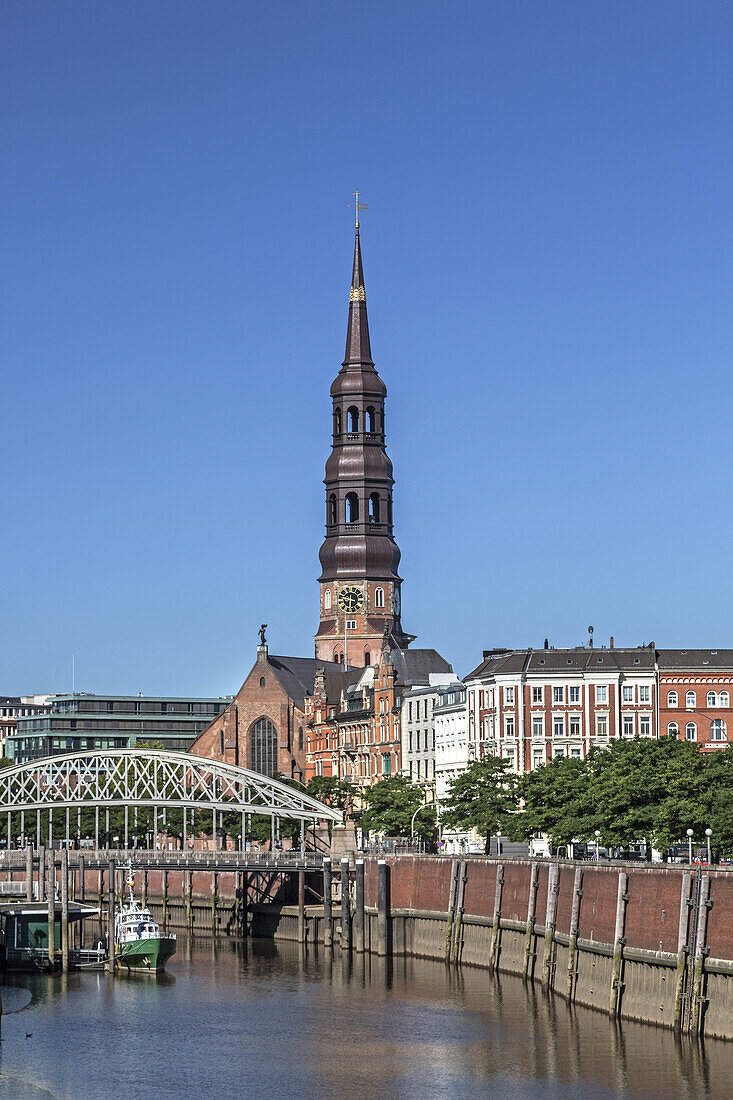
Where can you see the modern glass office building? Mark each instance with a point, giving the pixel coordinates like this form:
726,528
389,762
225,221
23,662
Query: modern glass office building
79,722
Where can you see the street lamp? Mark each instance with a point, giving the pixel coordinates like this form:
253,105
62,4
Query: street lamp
708,834
598,833
689,843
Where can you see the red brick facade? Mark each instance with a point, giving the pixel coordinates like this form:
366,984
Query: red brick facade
695,696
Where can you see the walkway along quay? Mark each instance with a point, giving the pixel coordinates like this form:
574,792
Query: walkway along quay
645,942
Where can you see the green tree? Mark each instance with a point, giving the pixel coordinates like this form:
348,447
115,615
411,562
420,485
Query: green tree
391,804
337,793
556,802
482,797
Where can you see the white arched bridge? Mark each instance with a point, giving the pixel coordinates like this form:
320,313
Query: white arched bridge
150,779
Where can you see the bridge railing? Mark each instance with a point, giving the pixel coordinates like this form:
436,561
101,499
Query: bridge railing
15,859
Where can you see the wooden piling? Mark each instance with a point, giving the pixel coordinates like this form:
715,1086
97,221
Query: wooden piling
111,872
327,905
64,911
573,940
383,908
529,953
82,880
682,949
458,926
618,946
214,900
245,903
701,951
41,873
29,873
165,897
548,961
301,905
345,906
496,928
451,907
359,907
51,909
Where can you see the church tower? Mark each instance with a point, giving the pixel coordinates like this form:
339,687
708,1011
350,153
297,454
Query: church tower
360,585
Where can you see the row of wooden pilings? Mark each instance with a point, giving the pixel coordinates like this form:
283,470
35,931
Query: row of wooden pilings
353,920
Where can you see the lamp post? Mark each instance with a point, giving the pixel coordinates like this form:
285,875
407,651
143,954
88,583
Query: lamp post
498,842
708,834
598,833
689,843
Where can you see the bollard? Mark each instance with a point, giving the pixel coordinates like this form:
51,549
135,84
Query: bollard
111,915
29,873
64,911
51,908
383,907
359,908
327,905
301,905
345,906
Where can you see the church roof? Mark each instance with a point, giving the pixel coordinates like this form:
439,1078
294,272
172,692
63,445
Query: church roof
297,674
413,666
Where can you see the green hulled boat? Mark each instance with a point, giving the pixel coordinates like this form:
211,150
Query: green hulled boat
139,945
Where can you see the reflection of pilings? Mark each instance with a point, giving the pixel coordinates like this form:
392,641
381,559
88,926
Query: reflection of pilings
383,908
327,905
345,906
64,910
359,907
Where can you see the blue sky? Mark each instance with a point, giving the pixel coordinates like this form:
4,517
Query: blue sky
548,262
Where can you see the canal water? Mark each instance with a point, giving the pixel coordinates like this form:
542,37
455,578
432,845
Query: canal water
235,1019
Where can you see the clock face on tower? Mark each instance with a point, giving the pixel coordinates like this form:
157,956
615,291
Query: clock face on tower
351,599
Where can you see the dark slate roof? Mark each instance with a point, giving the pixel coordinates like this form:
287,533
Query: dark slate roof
296,674
9,700
695,658
337,680
577,658
413,666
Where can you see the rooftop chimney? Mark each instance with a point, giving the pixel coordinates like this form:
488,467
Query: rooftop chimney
612,641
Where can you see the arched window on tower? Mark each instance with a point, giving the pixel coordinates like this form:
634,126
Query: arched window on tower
263,747
338,657
367,658
327,599
374,508
352,508
389,509
379,597
370,419
352,419
337,421
332,510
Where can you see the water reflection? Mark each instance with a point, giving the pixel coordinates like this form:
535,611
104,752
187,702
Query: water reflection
235,1018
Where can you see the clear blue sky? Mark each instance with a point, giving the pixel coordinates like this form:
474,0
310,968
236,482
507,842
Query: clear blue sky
548,257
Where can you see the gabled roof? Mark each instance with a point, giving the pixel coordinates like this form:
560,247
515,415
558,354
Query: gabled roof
700,659
297,674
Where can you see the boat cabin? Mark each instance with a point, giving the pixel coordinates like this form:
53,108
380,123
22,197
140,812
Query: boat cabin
24,932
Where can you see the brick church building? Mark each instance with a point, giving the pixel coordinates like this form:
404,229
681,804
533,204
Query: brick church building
362,657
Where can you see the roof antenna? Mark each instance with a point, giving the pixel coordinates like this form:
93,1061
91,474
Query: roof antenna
590,637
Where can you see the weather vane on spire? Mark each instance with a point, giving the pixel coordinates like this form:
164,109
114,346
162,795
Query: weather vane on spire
357,206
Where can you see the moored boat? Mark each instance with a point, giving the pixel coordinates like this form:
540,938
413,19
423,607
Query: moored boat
139,945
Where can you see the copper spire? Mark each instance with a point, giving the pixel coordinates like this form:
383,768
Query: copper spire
358,348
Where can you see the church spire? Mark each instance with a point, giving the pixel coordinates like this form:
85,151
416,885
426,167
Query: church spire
358,348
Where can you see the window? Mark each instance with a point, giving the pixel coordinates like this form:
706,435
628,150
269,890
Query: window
601,693
628,725
645,693
374,507
673,730
574,694
672,699
379,597
300,737
691,732
536,694
337,422
724,699
370,419
558,695
558,752
367,658
351,624
262,681
418,769
409,716
559,727
690,699
352,419
627,693
508,727
387,765
509,695
575,725
332,510
575,753
538,758
712,699
601,726
263,747
327,599
645,726
538,727
717,730
352,508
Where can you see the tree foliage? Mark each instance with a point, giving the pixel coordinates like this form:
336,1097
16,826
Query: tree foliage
482,797
391,804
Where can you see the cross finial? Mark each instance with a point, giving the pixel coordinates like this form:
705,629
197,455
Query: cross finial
357,206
